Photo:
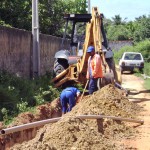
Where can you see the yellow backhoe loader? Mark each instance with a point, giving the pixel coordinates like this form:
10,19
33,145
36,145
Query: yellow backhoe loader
72,68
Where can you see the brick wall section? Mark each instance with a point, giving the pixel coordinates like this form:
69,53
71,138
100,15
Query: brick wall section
16,51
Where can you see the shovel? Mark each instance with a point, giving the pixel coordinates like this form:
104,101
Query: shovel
84,90
120,87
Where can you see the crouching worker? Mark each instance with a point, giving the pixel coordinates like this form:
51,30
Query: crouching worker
68,98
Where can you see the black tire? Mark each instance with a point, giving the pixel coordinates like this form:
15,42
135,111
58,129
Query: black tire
58,69
59,66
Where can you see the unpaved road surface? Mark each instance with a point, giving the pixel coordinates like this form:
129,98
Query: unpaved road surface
140,95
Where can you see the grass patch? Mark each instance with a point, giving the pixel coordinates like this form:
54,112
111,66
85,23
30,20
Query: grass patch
147,84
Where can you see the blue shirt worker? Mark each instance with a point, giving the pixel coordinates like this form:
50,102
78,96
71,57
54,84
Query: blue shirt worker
68,98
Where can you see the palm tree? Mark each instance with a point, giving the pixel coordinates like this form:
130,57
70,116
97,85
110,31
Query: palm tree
118,20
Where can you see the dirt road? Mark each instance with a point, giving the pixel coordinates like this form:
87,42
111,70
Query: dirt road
139,95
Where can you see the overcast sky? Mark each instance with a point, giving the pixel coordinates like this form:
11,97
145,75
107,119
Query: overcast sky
129,9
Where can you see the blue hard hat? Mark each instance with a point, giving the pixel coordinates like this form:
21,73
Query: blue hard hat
90,49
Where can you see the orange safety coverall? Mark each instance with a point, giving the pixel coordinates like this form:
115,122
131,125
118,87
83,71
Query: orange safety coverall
96,67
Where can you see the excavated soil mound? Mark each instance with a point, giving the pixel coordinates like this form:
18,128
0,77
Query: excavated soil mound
71,133
45,111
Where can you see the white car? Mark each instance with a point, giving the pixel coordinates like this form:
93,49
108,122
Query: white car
131,60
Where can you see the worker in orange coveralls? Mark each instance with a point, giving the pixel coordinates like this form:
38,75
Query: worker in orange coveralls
94,70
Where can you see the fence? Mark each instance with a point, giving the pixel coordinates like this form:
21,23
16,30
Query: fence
117,45
16,51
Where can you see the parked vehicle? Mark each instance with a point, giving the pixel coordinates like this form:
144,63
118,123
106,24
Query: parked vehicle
131,60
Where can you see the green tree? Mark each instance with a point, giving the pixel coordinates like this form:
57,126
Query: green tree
107,23
118,32
52,12
142,31
117,20
116,28
18,14
131,27
2,23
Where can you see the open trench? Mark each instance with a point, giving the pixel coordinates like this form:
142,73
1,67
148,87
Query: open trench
47,111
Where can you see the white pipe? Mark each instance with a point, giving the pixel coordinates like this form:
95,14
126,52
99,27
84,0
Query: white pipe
43,122
29,125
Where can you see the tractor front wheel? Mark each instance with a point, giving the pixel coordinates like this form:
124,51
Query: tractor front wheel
59,66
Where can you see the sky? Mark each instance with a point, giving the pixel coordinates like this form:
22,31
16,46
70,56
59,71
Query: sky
129,9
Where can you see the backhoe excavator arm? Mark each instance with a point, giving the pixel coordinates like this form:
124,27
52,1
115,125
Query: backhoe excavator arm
95,37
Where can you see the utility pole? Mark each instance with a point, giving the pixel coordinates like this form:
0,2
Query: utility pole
35,36
89,6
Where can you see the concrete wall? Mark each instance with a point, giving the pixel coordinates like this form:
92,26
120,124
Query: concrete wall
117,45
16,51
48,47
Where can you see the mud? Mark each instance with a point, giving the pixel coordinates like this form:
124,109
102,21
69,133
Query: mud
71,133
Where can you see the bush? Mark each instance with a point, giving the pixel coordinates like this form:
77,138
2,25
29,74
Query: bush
147,69
19,95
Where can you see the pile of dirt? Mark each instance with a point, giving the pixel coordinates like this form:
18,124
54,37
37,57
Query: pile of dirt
42,112
71,133
109,101
45,111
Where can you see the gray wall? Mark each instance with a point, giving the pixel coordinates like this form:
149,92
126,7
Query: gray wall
16,51
117,45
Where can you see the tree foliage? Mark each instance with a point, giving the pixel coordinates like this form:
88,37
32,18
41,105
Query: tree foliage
117,32
18,14
119,29
142,31
52,12
117,20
